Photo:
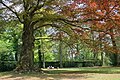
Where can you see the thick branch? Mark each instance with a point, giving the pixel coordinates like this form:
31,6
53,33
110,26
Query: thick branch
80,21
24,4
72,23
52,25
12,11
42,26
39,38
37,6
75,22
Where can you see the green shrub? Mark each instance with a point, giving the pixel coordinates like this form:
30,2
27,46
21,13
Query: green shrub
7,65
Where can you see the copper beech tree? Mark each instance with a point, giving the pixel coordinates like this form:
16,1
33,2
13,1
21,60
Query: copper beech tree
101,19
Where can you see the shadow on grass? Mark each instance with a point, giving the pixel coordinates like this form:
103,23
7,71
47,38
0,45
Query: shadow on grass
40,76
60,74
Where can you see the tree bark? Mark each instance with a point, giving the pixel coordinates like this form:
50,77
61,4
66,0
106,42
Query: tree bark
27,54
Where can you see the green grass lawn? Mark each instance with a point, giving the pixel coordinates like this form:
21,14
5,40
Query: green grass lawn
104,70
82,73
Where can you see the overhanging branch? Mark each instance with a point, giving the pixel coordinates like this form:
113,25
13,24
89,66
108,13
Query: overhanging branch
52,25
80,21
11,11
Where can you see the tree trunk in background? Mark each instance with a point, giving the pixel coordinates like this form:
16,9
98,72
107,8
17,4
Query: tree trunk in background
102,53
94,50
115,55
16,56
102,59
60,52
95,57
39,52
43,60
40,56
16,47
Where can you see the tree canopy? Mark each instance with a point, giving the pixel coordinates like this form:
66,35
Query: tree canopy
94,23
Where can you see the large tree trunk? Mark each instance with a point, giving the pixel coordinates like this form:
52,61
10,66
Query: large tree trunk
27,54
